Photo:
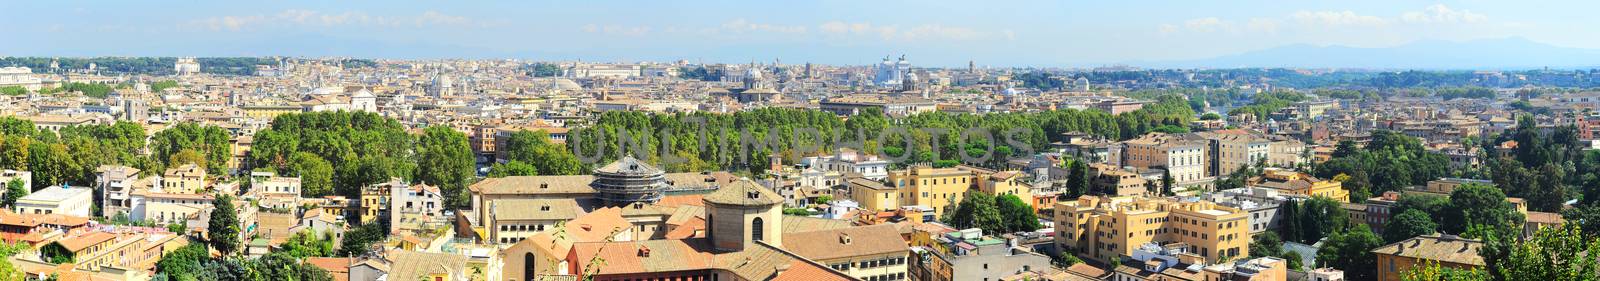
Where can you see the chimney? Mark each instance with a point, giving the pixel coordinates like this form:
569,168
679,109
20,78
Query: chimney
544,185
844,239
586,227
644,252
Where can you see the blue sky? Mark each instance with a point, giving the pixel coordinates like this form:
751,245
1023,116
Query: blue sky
934,33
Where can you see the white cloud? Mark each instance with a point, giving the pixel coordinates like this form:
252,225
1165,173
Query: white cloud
1336,19
1439,13
1210,24
1263,25
297,17
917,32
742,25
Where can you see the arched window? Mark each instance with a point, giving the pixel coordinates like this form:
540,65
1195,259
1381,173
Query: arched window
755,229
527,267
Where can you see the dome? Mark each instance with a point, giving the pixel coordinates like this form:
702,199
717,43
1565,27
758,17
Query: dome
752,73
1011,92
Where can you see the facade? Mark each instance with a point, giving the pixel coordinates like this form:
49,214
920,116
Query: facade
1229,151
187,178
1289,182
65,200
1182,156
1445,250
1123,182
1108,228
168,208
869,253
937,188
873,195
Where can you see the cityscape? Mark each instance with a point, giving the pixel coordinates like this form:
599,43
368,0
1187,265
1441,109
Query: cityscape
881,141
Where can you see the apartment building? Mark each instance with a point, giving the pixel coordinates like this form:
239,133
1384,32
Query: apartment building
869,253
65,200
1109,228
1447,251
1290,182
873,195
1184,156
1122,182
937,188
186,178
1231,149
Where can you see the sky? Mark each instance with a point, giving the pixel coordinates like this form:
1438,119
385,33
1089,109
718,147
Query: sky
928,32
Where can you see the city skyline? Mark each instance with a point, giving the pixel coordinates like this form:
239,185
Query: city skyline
938,34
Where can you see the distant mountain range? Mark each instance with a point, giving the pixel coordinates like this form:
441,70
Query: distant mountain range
1508,53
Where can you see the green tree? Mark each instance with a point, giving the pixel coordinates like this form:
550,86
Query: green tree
1077,180
358,241
977,210
1018,215
316,174
1431,271
1477,205
187,156
56,253
1320,217
1166,183
444,159
1410,223
186,262
222,231
1350,251
307,244
513,168
281,266
1266,244
534,148
51,164
1561,253
15,189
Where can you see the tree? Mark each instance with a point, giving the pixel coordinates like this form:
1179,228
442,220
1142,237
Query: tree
1408,224
316,174
1266,244
1350,251
56,253
534,148
359,241
1166,183
977,210
1431,271
280,266
1018,215
1077,180
444,159
307,244
1480,207
1291,229
187,156
15,189
513,168
184,262
51,165
1296,262
222,231
1561,253
824,199
1320,217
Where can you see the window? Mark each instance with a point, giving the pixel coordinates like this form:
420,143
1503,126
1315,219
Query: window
755,230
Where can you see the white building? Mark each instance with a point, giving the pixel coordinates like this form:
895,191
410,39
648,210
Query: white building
57,200
21,77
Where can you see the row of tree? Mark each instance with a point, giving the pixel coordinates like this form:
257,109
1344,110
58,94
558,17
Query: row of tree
742,141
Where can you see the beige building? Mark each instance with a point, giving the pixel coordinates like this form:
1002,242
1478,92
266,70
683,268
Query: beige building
937,188
1181,155
870,252
187,178
65,200
1289,182
1230,151
514,220
1445,250
1108,228
1123,182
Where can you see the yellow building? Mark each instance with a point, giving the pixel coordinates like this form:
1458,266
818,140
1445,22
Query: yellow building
1289,182
184,179
1006,182
375,199
1107,228
1446,251
873,195
268,112
937,188
875,252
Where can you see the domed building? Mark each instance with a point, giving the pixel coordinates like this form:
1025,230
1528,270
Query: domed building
741,213
629,180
